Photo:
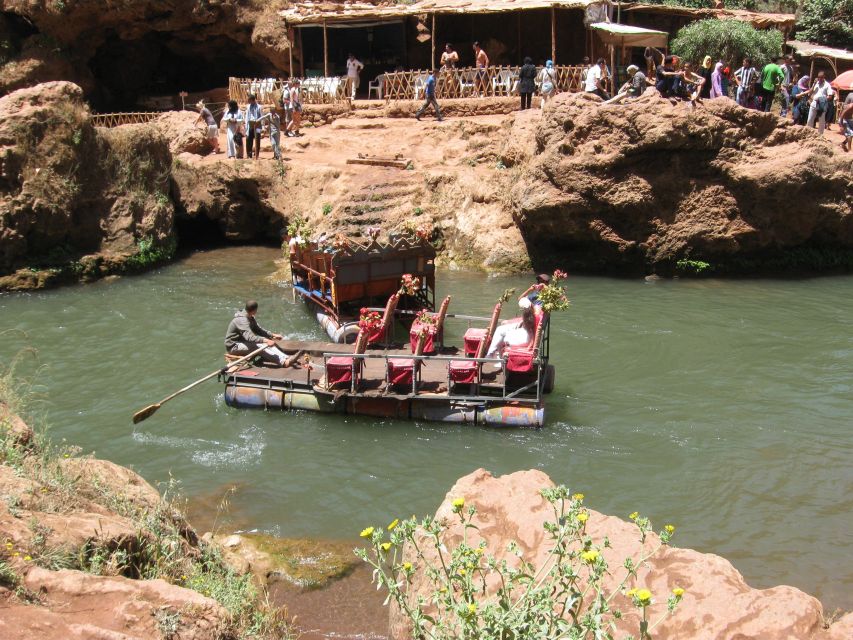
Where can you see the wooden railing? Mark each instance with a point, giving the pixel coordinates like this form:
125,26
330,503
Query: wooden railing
110,120
329,90
470,82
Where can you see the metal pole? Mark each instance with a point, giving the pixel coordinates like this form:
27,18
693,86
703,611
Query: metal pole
325,50
619,12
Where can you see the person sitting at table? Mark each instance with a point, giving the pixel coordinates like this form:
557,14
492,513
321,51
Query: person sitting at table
514,334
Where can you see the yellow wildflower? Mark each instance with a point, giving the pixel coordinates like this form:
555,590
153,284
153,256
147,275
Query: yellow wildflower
28,558
458,503
394,524
366,533
578,496
670,529
15,555
462,572
407,566
183,577
385,546
44,489
583,517
9,545
590,556
472,608
630,592
644,596
479,551
66,455
678,592
634,516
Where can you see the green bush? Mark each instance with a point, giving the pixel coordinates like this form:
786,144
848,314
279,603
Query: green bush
827,22
564,597
730,40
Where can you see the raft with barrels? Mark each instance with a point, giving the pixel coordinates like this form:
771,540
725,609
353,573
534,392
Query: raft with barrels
420,379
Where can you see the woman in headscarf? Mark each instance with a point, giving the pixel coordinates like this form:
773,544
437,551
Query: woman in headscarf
233,120
547,82
717,81
706,72
801,107
526,83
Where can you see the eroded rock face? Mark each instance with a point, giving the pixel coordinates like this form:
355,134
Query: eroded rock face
73,193
717,605
646,183
131,45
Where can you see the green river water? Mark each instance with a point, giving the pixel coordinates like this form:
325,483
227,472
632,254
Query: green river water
724,407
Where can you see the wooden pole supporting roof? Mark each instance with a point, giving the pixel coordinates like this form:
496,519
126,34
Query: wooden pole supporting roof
553,35
325,50
433,64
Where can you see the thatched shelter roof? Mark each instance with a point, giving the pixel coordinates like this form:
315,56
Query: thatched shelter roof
781,21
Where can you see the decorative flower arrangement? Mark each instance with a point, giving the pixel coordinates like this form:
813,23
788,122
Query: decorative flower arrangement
553,296
424,232
409,284
373,232
340,242
427,321
369,320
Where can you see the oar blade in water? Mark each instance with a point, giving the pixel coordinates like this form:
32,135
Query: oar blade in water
145,413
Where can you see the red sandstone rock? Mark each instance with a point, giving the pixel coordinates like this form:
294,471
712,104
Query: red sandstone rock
649,182
79,605
717,605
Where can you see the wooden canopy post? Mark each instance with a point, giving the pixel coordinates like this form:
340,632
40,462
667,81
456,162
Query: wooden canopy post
613,69
554,35
518,42
291,36
432,64
325,50
301,55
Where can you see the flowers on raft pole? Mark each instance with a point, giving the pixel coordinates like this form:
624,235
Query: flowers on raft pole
409,284
553,296
369,320
427,323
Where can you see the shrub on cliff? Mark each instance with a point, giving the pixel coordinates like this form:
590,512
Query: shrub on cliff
730,40
827,22
479,593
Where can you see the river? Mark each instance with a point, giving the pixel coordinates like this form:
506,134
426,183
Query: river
721,406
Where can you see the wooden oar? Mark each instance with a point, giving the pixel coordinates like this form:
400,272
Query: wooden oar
148,411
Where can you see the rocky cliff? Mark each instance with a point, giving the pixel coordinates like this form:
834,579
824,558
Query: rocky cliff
121,51
75,201
644,185
88,549
717,603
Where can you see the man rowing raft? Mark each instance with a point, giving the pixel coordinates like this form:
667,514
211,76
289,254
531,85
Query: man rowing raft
245,335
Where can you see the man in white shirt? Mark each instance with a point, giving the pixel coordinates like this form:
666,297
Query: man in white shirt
354,67
819,96
252,125
596,78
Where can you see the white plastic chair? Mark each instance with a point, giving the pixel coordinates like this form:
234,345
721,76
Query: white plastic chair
466,82
420,85
375,86
502,83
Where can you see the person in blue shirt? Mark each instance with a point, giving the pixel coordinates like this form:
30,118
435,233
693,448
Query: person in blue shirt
429,92
253,127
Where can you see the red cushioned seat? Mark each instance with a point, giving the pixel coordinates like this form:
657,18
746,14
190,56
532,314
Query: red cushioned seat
462,371
472,340
340,369
400,371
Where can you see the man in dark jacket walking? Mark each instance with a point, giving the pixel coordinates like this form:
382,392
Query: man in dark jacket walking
245,335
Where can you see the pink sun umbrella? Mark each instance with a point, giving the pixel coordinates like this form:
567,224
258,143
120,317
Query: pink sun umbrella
844,82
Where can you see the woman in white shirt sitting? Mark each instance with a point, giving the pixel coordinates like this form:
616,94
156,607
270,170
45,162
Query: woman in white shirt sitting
514,334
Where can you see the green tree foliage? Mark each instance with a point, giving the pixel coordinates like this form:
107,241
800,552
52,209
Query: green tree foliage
730,40
828,22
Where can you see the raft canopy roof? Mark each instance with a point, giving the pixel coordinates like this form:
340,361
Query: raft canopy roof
810,50
315,13
626,35
757,19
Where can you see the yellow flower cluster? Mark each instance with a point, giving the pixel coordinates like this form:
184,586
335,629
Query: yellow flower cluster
590,556
578,497
386,546
644,596
472,608
366,533
634,516
394,524
457,504
670,529
583,517
678,592
407,566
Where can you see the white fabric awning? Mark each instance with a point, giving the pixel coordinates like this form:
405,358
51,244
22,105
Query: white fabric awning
626,35
809,50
